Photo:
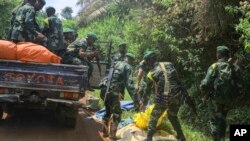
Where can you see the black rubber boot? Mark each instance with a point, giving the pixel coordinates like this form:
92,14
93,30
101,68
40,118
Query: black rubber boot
105,129
113,129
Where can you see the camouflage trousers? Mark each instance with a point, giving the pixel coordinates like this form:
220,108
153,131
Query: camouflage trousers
113,108
217,115
172,111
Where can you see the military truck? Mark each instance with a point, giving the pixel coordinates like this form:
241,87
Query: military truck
37,86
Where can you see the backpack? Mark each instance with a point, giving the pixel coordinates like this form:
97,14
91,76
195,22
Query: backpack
227,80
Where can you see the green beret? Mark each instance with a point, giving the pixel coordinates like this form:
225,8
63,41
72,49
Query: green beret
50,8
65,30
222,49
148,55
130,55
92,35
123,44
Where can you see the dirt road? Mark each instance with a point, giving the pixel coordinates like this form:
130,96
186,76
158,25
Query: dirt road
41,127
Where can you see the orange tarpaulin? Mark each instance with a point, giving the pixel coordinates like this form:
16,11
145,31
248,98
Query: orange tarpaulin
7,50
27,52
30,52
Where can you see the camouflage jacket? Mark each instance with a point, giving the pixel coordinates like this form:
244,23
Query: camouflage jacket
214,84
73,48
122,77
54,32
164,89
24,24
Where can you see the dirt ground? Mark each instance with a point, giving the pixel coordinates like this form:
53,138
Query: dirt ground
30,126
40,127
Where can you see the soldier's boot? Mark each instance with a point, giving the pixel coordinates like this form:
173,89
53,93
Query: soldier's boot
113,129
105,129
149,137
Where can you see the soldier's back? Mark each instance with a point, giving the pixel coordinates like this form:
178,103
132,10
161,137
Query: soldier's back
23,22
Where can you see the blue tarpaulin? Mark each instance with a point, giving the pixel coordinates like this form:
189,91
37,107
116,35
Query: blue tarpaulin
125,106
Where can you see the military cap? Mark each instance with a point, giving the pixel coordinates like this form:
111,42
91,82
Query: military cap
123,44
130,55
222,49
92,35
148,55
65,30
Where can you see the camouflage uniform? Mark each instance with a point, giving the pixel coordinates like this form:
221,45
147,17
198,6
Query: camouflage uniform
54,32
122,76
219,95
69,36
165,99
13,17
24,24
72,54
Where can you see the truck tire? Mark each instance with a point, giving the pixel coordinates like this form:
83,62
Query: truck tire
67,116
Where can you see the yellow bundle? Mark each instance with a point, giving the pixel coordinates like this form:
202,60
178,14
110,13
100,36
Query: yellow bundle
142,119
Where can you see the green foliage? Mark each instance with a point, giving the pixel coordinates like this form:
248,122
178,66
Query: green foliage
67,13
244,25
70,23
6,8
40,16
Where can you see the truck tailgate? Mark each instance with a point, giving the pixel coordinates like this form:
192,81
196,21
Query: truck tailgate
36,76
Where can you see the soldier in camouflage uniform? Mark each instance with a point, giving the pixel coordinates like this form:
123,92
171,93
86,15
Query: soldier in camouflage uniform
81,52
219,91
69,36
24,29
122,76
13,18
167,94
121,55
54,32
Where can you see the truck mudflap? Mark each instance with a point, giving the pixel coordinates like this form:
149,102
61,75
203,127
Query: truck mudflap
14,98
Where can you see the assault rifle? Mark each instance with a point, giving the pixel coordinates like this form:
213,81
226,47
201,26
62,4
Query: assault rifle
110,75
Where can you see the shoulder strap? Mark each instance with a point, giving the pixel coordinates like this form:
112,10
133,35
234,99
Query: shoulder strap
167,84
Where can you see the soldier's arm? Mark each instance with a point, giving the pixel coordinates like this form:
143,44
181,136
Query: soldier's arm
207,83
139,77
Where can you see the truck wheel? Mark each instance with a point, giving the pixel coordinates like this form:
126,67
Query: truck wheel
70,122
